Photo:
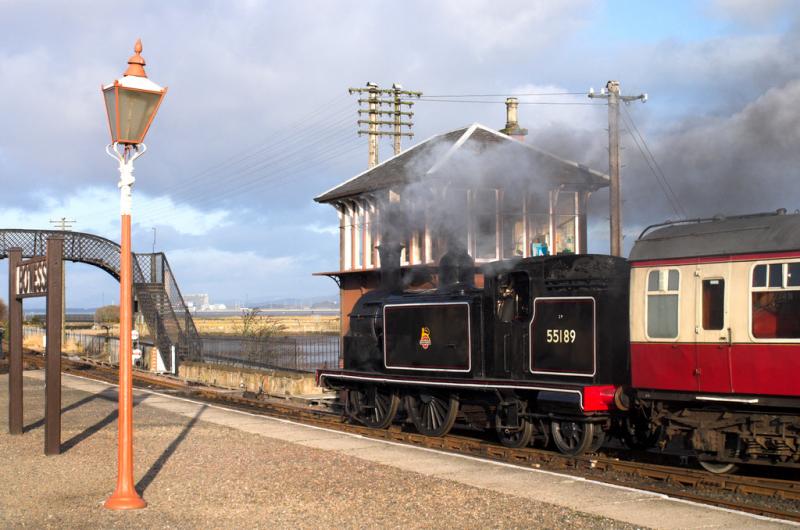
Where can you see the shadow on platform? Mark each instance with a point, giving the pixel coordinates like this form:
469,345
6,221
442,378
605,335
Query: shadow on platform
108,395
154,470
89,431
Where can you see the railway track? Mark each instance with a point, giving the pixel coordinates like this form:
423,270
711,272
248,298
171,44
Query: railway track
749,494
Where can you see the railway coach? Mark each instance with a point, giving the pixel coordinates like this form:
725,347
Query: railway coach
715,338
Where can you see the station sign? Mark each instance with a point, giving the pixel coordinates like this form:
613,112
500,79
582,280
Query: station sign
32,278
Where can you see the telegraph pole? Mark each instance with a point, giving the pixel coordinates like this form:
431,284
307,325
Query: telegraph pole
377,108
63,224
612,93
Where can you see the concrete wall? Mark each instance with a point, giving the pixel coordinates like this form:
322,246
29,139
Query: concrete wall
271,382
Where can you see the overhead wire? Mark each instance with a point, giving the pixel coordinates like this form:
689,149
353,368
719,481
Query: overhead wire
504,95
652,163
299,128
494,102
312,163
292,161
297,149
235,172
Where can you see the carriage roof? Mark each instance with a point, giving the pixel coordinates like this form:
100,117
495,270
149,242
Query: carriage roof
720,236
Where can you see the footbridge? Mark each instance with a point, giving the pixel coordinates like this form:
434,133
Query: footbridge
154,287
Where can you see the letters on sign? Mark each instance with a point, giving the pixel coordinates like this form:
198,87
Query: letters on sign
32,278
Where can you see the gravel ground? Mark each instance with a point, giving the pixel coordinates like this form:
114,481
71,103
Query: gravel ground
198,475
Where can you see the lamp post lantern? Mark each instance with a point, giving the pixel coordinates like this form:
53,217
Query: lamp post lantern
131,103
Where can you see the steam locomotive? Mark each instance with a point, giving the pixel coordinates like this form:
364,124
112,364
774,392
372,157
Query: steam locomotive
695,337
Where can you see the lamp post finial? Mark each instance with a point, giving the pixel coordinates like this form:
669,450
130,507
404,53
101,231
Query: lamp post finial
136,62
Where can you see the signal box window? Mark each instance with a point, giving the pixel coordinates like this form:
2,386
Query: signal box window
776,301
663,287
713,304
484,210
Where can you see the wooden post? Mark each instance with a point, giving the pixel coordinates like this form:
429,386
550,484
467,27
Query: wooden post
615,198
14,345
52,402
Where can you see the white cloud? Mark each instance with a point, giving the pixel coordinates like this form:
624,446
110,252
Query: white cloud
96,210
750,12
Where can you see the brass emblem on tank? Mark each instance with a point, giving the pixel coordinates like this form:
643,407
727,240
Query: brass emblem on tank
425,338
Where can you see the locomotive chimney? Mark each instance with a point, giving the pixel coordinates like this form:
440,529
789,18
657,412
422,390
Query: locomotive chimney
390,265
456,268
391,246
512,123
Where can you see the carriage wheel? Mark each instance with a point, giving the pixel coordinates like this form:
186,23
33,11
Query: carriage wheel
432,415
718,467
373,406
513,438
638,433
572,437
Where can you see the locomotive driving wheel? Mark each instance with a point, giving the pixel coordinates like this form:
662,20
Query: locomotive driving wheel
373,406
573,437
431,414
514,438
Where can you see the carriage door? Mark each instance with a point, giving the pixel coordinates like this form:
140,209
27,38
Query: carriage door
712,327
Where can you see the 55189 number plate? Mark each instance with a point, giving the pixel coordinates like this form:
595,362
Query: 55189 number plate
563,336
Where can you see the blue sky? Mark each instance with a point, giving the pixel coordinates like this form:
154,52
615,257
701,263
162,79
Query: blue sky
258,121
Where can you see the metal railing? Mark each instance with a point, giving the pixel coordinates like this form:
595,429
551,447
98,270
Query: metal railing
304,353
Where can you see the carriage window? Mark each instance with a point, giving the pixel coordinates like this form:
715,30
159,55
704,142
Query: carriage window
663,287
713,304
775,275
793,275
760,276
776,301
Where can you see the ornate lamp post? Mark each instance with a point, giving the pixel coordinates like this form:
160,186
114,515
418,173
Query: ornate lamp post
131,102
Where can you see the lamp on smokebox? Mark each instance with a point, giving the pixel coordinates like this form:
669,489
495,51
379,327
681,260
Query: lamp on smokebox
131,103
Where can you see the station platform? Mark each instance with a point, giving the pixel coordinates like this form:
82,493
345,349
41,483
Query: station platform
203,466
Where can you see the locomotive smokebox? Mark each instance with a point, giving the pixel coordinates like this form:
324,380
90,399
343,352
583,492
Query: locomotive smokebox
391,279
456,269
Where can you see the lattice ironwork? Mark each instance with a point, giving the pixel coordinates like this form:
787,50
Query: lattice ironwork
154,285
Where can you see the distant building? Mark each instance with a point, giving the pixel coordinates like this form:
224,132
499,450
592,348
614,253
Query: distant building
495,195
196,300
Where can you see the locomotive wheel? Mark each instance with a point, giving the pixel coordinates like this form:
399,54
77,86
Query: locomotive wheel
514,438
432,415
373,406
572,437
598,440
718,467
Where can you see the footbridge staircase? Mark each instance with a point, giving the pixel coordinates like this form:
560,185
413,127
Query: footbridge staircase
154,287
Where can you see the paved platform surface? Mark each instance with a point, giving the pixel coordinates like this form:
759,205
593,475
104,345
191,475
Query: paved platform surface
201,466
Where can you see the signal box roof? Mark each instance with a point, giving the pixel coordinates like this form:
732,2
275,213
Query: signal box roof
722,236
430,158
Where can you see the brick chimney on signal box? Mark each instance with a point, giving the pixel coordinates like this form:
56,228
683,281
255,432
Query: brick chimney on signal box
512,125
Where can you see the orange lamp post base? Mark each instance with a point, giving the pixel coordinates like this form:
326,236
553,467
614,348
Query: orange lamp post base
125,501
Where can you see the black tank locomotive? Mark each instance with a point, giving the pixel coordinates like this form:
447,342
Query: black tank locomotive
538,353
